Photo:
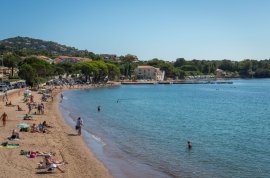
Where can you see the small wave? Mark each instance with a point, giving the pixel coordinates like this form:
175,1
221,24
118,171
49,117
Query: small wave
98,140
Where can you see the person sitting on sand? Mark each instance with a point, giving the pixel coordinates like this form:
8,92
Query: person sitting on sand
27,117
43,127
34,128
46,125
15,135
19,108
9,104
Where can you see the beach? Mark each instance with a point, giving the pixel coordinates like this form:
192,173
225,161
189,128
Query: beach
61,139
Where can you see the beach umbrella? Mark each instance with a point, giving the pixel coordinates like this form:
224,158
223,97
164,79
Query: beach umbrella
23,125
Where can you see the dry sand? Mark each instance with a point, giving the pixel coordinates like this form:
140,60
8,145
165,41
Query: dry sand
62,139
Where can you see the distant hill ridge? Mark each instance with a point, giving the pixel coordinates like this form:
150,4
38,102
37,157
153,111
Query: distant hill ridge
21,45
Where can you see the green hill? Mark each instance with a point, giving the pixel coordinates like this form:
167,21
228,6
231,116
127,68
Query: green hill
24,46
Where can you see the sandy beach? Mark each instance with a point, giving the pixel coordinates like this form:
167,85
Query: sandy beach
61,139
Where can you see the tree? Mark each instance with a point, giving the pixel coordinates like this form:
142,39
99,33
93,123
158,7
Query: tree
42,68
103,70
67,66
11,61
226,65
244,68
179,62
113,71
28,73
189,68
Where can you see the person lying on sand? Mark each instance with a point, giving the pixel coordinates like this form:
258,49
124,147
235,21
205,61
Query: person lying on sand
34,154
9,104
37,153
50,164
27,117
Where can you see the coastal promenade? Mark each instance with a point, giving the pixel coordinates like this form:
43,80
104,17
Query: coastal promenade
61,139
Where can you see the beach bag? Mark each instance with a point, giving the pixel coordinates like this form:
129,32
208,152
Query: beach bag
32,155
4,143
76,127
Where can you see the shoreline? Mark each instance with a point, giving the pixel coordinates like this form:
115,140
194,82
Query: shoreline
61,139
115,160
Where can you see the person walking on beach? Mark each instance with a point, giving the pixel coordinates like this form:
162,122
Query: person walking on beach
29,108
6,96
79,125
4,118
62,97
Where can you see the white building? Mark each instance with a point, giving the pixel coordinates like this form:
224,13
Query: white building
149,72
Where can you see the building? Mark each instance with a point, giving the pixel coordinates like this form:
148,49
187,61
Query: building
70,59
5,72
220,73
149,73
110,57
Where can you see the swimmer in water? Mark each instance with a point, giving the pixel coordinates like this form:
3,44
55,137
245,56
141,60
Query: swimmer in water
189,145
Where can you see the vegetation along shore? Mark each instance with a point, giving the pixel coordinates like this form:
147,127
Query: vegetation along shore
38,61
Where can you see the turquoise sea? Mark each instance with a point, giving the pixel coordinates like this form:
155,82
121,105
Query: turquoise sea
142,130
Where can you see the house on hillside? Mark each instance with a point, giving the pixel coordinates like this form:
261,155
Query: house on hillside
110,57
61,59
149,73
220,73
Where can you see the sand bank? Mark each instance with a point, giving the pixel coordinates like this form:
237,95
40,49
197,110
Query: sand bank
61,139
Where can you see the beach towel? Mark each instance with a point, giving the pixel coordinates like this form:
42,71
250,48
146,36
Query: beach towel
22,125
10,145
24,116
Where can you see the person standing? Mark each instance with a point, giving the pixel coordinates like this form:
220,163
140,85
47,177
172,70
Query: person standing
4,118
29,108
62,97
6,96
79,125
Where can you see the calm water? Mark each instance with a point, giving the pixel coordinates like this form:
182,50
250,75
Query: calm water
144,134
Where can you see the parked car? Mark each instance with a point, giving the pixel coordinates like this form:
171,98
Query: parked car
3,88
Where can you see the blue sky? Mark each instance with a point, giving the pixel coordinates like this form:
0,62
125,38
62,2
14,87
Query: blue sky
165,29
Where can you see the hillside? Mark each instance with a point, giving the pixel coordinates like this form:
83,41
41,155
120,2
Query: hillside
24,46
